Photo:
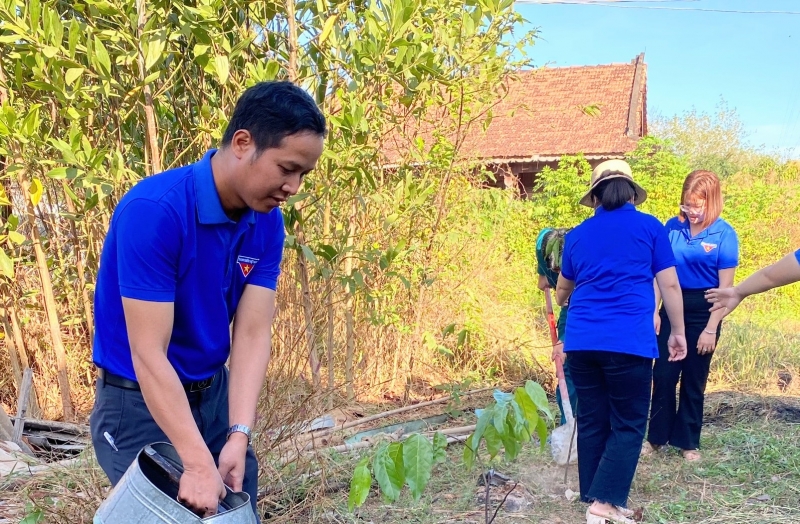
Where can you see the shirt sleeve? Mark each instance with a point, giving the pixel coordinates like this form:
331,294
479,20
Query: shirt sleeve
268,268
567,270
663,256
797,255
149,242
728,250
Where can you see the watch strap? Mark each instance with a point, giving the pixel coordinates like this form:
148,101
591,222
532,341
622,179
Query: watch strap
239,428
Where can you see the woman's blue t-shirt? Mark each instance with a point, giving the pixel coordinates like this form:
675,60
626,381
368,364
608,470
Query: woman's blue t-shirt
613,257
698,259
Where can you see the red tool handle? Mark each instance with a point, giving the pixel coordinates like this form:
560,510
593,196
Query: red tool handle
562,382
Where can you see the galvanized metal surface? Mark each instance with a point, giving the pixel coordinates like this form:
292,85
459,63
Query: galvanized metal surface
137,500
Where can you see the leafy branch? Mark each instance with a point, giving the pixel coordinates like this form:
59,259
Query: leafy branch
506,424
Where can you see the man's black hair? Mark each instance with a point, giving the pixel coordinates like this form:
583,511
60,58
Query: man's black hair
271,111
614,193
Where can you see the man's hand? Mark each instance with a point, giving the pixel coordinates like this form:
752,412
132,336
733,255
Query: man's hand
201,487
706,343
725,299
677,347
657,322
232,461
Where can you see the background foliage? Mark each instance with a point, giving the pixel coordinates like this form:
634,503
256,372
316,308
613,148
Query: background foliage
394,279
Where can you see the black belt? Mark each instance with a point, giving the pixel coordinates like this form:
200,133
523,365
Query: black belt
121,382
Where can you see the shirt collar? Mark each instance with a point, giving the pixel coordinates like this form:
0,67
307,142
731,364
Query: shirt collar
702,234
209,206
626,207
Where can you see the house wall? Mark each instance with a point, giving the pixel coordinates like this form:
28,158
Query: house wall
522,175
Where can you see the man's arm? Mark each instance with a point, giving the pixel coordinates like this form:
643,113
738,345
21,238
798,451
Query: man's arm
251,351
149,330
783,272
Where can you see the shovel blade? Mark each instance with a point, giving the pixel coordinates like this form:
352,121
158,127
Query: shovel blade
563,446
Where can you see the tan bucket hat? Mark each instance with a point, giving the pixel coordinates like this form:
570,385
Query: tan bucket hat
613,169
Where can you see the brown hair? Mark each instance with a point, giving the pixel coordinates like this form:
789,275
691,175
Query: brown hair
704,185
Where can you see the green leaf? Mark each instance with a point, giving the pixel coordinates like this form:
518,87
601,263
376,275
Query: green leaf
152,77
74,35
33,517
499,419
327,28
35,10
57,173
539,397
153,50
418,463
396,453
6,265
359,485
493,441
49,51
469,452
200,50
222,68
36,190
73,74
511,445
41,86
308,254
16,237
528,408
484,421
439,448
541,431
385,471
101,53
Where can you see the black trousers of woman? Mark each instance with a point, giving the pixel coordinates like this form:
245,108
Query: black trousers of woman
678,422
613,396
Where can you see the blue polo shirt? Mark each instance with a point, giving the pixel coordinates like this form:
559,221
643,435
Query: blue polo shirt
797,255
613,257
171,241
699,258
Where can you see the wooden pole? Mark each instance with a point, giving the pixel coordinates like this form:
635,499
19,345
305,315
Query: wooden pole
22,405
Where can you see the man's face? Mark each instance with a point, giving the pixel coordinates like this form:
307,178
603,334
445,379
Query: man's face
266,180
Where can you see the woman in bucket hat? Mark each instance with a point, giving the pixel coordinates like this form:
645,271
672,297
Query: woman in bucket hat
607,272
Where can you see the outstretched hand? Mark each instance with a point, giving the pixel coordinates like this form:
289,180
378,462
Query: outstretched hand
725,299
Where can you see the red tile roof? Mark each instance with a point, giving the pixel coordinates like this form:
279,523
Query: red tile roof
544,114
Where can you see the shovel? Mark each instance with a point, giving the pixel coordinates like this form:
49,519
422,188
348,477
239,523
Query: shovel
562,440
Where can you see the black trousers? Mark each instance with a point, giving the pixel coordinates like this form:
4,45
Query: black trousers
678,421
613,396
123,414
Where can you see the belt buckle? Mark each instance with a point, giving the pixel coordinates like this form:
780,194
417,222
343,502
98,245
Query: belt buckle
200,385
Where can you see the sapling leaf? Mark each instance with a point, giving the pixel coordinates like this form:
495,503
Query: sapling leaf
418,463
359,485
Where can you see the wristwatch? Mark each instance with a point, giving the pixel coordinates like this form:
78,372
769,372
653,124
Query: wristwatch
239,428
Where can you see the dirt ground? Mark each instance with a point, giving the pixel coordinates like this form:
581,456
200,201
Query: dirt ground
750,473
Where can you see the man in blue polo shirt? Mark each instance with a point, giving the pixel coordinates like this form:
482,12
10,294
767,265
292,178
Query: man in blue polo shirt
188,252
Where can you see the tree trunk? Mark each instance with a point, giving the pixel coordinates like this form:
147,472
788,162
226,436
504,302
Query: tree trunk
87,304
149,113
292,40
349,305
50,305
308,309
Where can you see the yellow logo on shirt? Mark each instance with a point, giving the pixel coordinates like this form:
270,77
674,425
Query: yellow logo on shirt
708,247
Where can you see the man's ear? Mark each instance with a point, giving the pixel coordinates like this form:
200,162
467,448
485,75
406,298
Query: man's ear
242,143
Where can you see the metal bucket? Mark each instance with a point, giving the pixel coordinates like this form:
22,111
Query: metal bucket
146,495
